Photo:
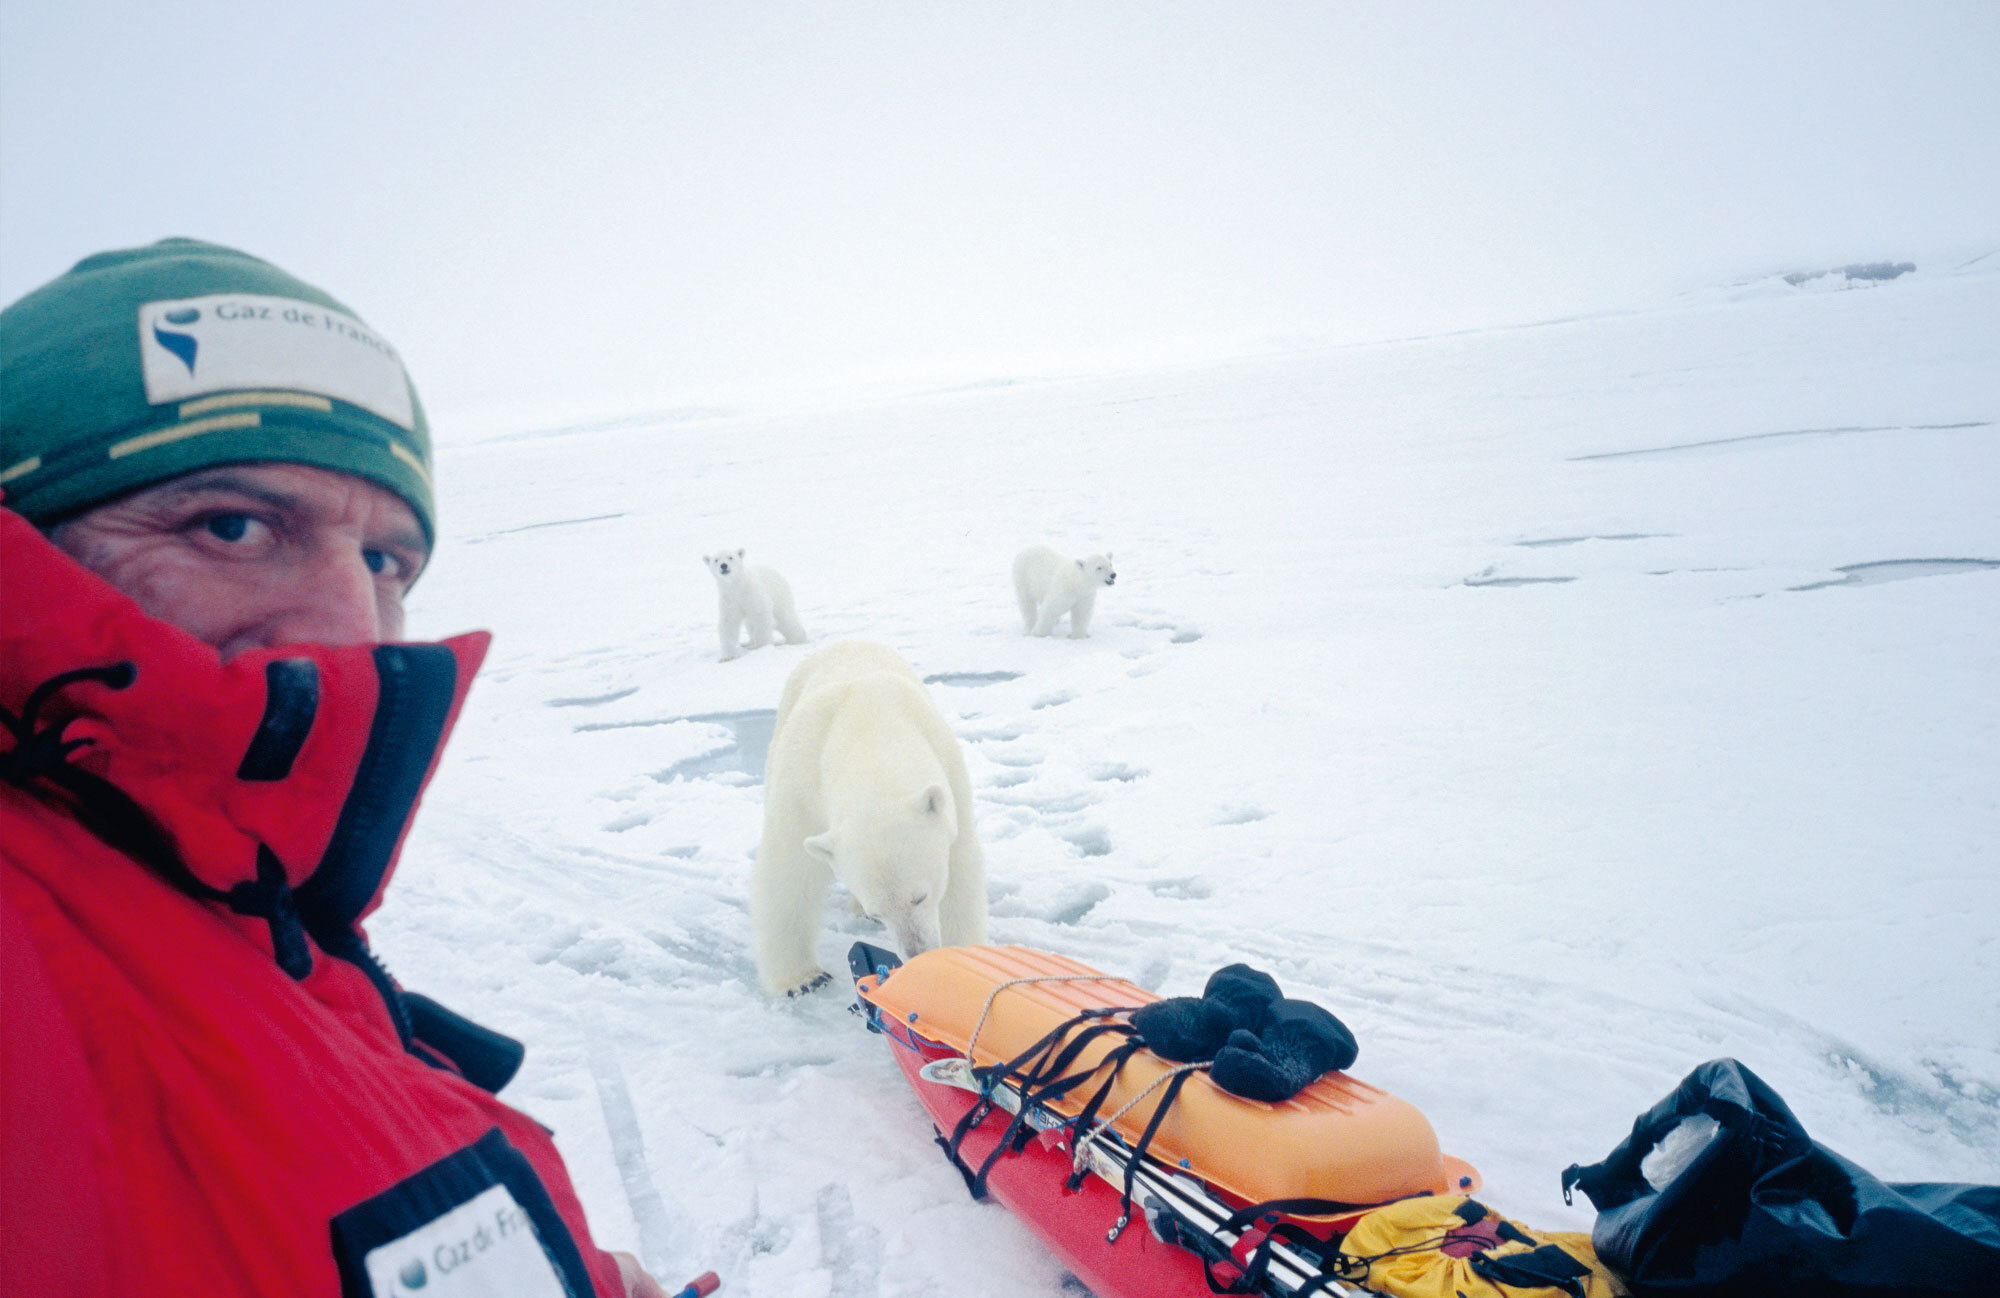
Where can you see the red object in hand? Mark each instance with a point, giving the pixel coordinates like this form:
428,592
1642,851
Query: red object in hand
701,1286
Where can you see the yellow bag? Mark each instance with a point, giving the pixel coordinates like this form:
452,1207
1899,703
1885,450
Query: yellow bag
1449,1246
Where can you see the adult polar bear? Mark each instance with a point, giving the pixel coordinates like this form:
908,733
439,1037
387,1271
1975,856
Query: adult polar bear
1048,586
864,783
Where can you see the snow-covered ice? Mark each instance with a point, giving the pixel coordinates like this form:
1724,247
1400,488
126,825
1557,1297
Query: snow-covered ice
1561,706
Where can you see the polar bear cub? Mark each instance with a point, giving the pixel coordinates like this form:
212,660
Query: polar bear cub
1048,586
753,597
864,783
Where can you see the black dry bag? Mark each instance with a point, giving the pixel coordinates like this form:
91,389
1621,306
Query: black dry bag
1763,1210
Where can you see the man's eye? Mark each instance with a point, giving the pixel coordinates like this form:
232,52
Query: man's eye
380,561
228,527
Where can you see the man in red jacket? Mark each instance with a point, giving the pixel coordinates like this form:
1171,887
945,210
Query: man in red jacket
217,490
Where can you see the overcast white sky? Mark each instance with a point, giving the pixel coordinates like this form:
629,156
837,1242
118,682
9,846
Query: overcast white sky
586,207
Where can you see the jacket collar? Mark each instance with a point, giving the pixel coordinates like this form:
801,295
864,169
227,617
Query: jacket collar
315,755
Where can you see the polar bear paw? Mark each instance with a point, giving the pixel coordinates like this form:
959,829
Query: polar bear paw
822,979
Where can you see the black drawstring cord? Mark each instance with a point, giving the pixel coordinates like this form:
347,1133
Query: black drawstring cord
117,676
110,813
35,753
270,899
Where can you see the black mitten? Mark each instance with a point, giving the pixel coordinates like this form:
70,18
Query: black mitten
1185,1029
1248,994
1299,1042
1264,1047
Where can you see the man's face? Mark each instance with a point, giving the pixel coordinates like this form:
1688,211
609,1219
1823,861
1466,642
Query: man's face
250,556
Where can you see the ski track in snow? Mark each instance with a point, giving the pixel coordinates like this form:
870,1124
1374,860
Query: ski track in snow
1433,683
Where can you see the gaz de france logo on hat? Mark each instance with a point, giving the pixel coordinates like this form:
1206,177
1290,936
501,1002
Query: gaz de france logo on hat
226,342
141,364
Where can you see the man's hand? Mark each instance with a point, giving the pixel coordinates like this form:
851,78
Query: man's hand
638,1284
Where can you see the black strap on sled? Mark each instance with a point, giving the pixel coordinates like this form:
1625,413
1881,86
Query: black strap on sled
1253,1270
1042,1074
1145,1142
972,1184
1547,1267
1039,1074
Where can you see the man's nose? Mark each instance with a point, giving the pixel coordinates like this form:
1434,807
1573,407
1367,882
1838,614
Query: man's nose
331,601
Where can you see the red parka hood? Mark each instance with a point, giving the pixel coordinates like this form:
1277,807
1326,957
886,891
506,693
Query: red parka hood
210,1084
315,754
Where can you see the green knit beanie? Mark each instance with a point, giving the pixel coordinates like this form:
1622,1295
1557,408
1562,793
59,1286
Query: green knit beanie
144,364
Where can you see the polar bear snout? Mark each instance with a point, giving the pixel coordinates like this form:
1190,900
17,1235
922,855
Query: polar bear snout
917,932
724,562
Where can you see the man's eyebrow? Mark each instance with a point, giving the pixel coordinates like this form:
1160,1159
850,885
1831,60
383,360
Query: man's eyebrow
222,480
410,538
199,483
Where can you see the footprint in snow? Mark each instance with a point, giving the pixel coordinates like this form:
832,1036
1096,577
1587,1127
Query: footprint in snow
1048,804
630,820
850,1251
1181,632
755,1236
1001,731
1090,840
1064,903
1153,619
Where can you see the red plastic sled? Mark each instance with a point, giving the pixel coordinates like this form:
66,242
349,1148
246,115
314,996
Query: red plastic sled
952,1010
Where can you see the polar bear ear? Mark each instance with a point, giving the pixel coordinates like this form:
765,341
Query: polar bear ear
936,802
820,848
1079,565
